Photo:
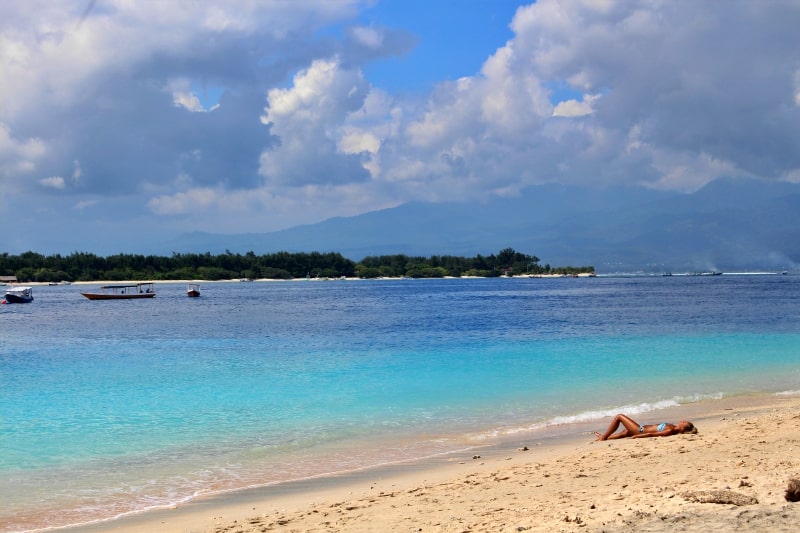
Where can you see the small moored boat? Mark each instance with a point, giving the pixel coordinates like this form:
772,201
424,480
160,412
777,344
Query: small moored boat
122,292
193,290
18,295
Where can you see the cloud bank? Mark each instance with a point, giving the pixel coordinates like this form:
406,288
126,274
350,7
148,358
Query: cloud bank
255,116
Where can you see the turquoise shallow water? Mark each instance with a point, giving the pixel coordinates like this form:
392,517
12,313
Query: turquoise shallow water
114,407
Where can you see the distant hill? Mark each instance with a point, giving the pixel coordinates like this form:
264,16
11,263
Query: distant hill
731,224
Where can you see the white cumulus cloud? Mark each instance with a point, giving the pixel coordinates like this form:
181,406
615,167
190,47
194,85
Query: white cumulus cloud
53,182
308,119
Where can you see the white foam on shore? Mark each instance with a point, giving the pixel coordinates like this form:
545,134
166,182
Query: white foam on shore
595,415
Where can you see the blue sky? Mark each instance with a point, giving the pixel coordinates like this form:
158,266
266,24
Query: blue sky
453,39
127,122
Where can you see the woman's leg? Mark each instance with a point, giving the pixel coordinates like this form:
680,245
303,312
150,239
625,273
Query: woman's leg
630,425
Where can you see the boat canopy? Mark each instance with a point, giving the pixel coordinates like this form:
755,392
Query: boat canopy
124,286
18,290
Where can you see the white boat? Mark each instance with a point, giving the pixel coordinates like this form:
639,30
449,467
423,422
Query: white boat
18,295
193,290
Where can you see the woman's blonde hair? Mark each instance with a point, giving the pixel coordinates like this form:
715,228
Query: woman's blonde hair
690,428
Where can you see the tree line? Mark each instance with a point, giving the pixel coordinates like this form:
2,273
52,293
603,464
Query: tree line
82,266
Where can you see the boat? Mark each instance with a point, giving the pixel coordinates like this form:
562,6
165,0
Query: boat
122,292
193,290
18,295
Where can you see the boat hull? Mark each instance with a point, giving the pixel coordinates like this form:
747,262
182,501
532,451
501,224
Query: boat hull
134,296
14,299
193,290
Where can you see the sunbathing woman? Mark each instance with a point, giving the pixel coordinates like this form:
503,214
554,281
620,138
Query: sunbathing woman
634,430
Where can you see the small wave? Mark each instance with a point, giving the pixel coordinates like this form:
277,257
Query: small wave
599,414
88,510
633,409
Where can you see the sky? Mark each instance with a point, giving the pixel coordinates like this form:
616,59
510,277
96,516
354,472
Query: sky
123,122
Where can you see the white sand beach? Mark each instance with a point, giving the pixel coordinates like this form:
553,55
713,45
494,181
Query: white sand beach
730,476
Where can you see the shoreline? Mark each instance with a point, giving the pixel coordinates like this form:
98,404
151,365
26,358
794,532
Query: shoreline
292,280
269,280
400,278
548,481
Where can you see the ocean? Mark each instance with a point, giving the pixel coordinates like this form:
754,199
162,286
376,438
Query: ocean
109,408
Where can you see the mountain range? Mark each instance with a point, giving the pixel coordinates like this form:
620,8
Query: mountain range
729,225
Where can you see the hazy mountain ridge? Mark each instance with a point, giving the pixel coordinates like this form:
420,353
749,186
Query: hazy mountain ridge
731,224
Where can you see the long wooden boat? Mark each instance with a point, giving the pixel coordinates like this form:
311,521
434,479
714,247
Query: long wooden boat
122,292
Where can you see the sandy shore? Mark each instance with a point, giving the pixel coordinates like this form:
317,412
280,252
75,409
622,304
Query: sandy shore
731,476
